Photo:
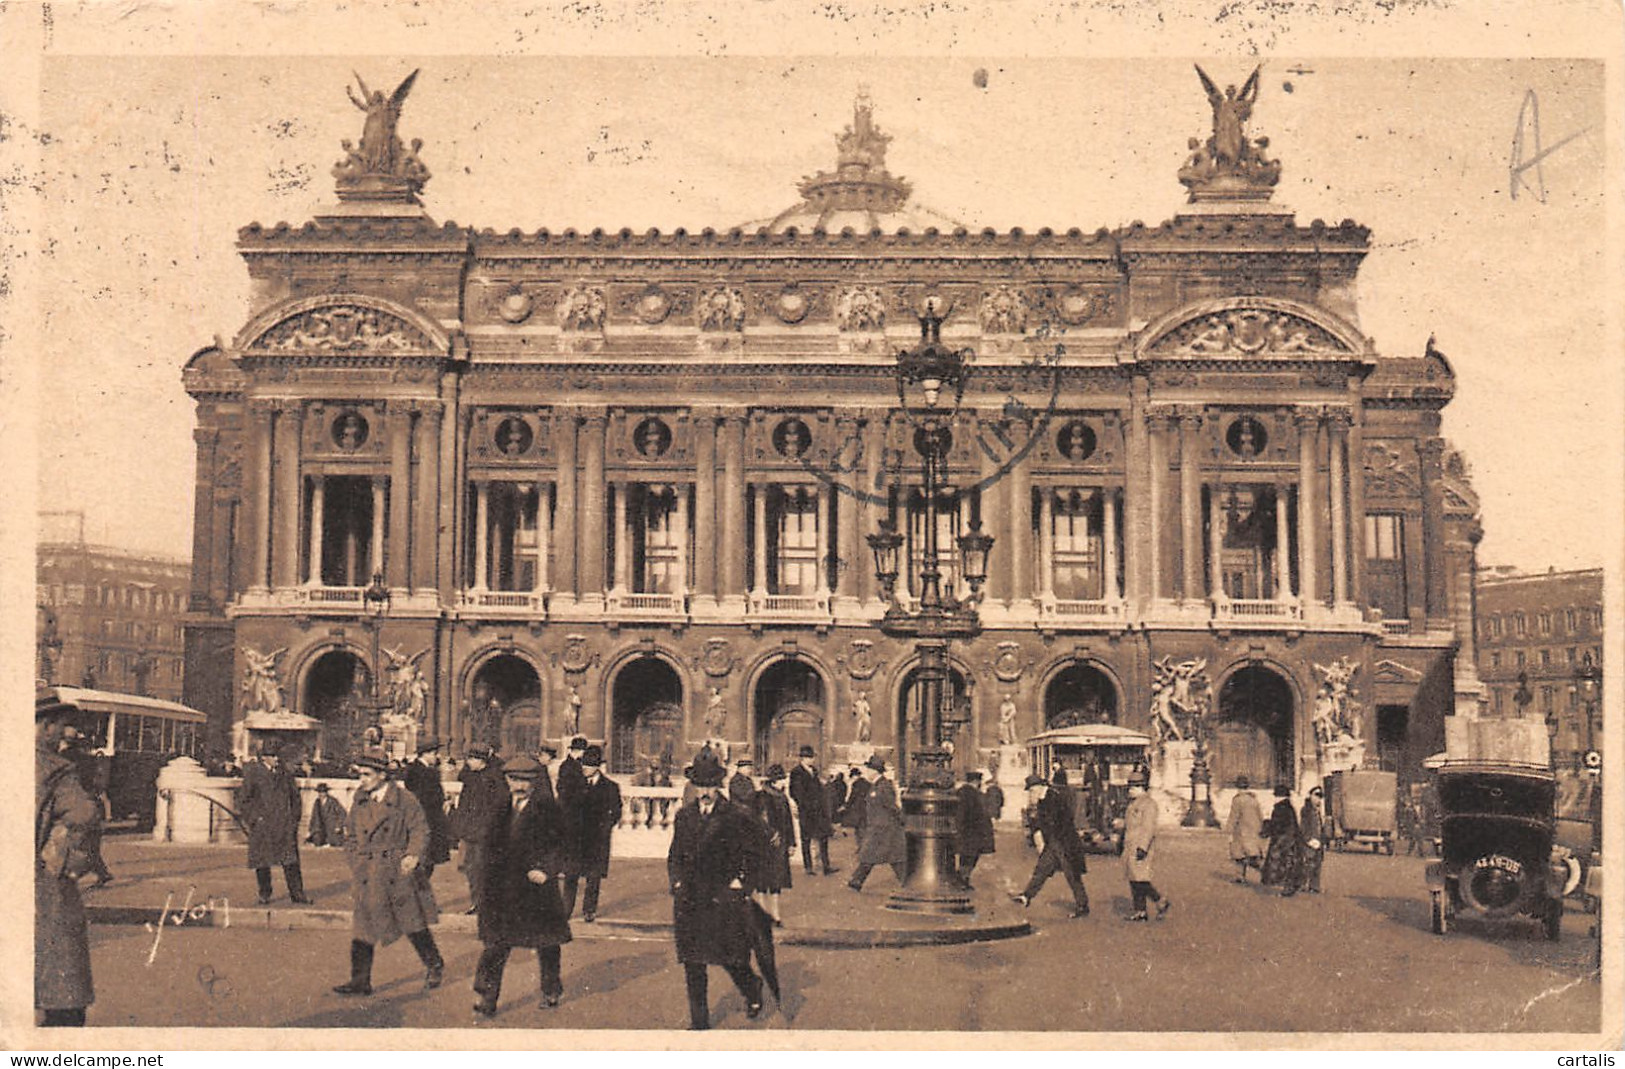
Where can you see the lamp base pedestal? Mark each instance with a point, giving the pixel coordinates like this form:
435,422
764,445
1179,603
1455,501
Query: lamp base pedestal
932,886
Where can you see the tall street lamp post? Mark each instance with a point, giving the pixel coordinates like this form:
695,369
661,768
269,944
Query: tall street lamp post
1588,678
376,599
924,375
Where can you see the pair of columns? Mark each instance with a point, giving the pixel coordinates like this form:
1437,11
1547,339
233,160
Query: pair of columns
484,557
622,545
825,514
1111,591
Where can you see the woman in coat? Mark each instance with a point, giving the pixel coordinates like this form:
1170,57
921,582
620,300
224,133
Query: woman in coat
386,847
713,862
270,807
880,836
1245,827
773,810
1283,861
1139,840
1311,830
520,904
64,817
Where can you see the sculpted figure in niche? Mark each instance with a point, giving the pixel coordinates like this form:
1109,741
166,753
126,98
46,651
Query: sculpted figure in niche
716,714
652,438
572,712
864,717
1007,721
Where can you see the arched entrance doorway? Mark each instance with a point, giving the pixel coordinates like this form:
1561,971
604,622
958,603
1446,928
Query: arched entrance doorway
338,689
1252,733
788,706
505,706
956,721
1080,694
648,715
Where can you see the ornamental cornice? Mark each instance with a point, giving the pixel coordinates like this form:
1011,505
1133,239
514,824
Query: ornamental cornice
342,325
1253,327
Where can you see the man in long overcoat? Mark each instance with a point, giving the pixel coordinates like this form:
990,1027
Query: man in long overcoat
1055,833
597,811
1139,841
65,816
1245,827
422,778
1283,861
973,828
856,795
880,836
712,865
834,796
520,904
270,808
812,811
1311,831
386,845
480,805
572,778
327,819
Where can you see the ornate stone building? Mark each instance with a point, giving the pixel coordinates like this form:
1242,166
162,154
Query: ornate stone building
621,482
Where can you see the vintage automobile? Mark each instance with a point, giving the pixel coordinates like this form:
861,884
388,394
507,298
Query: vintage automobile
1497,829
1363,807
1098,759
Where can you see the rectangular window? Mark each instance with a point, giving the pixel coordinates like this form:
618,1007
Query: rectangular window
798,541
662,541
1500,701
1075,531
1495,660
1545,658
1546,698
152,734
1545,623
1384,536
1520,658
126,733
1570,618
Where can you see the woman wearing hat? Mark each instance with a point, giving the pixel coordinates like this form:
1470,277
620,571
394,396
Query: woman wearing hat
714,861
773,809
520,904
386,845
1283,862
1245,827
1311,830
880,837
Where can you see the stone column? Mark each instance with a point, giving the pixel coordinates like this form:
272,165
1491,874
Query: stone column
426,498
1190,502
1283,543
544,532
1135,493
400,494
621,547
204,522
705,510
482,534
758,586
375,555
997,590
680,522
566,518
1308,422
318,520
1157,424
590,548
452,503
824,504
1355,476
733,532
849,548
1435,576
1108,541
286,504
1021,532
1218,523
260,414
1337,441
1046,543
873,508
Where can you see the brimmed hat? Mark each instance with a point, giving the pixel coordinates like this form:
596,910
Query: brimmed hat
808,751
1283,791
593,757
1242,783
1035,780
875,763
321,788
373,759
706,771
578,743
775,772
480,750
973,777
1139,778
548,749
744,762
428,746
523,767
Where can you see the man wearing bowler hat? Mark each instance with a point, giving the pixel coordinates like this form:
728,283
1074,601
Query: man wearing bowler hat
479,807
1139,842
880,836
1055,833
714,861
589,827
65,816
520,904
422,778
572,777
386,845
812,811
270,806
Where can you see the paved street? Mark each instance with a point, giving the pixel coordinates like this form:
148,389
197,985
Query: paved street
1228,958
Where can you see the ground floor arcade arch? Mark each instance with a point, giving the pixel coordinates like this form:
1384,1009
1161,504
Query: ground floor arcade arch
1080,694
1253,730
646,702
788,711
505,706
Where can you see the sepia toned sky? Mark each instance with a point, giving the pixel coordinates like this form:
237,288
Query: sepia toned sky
152,164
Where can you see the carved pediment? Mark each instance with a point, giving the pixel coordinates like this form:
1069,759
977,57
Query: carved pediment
342,325
1252,328
1394,672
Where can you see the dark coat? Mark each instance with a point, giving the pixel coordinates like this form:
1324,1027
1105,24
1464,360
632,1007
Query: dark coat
880,837
711,918
742,790
384,828
852,813
424,783
269,805
572,781
812,808
834,797
974,828
327,821
65,818
993,801
1283,861
480,806
773,810
514,911
1055,817
589,826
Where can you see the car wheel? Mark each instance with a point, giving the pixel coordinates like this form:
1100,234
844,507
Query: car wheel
1495,885
1441,917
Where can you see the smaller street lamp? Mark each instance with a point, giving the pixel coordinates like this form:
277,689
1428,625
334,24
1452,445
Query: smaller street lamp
376,599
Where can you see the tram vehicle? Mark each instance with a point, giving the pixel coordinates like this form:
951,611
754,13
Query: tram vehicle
1098,759
1497,832
132,737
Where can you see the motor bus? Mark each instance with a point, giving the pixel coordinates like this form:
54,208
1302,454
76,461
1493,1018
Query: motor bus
132,737
1098,759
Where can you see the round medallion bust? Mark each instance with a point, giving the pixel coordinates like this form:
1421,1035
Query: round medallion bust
653,305
516,307
1246,437
792,305
350,430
